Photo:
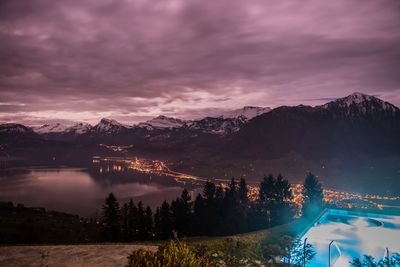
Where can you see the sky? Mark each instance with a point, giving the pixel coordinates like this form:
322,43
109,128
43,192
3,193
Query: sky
131,60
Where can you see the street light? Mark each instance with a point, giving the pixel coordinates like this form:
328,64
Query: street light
329,256
304,252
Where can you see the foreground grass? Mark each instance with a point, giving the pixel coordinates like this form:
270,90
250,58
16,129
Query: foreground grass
232,250
247,247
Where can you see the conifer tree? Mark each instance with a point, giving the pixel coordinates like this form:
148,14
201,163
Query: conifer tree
148,223
111,219
199,212
125,222
209,191
281,208
132,220
157,223
165,219
141,227
312,196
243,192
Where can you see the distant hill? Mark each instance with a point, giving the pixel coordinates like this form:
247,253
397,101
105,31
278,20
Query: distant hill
352,141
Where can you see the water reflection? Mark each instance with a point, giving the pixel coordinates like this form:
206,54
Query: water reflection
82,191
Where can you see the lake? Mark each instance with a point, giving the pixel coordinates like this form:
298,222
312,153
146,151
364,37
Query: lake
82,191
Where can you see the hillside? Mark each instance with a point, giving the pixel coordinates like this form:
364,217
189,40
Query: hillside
352,141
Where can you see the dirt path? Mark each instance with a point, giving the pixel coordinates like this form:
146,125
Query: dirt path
71,255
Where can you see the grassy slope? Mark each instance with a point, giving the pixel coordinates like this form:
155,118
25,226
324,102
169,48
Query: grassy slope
248,245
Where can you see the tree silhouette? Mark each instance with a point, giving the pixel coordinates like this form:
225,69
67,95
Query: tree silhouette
219,210
132,220
312,196
199,213
182,211
243,192
209,191
157,223
125,222
111,219
148,223
141,223
166,222
281,208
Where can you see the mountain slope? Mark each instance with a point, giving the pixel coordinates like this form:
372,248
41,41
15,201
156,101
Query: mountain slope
16,133
162,122
108,127
247,112
354,124
351,142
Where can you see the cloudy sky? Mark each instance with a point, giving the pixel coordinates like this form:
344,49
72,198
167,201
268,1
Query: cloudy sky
134,59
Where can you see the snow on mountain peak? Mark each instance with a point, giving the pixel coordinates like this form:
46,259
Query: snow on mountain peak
14,128
359,103
356,98
51,128
57,127
80,128
108,126
106,121
161,122
247,112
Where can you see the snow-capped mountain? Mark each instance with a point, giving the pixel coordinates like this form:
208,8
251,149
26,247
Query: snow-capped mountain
247,112
14,128
12,133
108,126
354,106
360,105
162,122
347,125
57,128
218,126
80,128
226,123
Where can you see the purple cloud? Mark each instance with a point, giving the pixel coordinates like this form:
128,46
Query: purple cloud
136,59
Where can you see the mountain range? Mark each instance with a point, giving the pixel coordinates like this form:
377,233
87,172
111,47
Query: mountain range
351,141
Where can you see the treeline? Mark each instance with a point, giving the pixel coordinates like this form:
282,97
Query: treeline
25,225
218,210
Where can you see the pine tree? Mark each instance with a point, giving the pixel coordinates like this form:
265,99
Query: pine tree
186,212
265,201
219,193
243,204
125,222
132,221
230,210
157,223
209,191
165,219
243,192
312,196
148,223
281,208
199,219
111,219
266,191
141,227
182,213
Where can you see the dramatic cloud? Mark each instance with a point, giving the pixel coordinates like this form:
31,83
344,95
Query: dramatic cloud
131,60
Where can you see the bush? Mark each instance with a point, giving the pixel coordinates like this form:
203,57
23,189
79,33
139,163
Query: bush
143,258
173,254
369,261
